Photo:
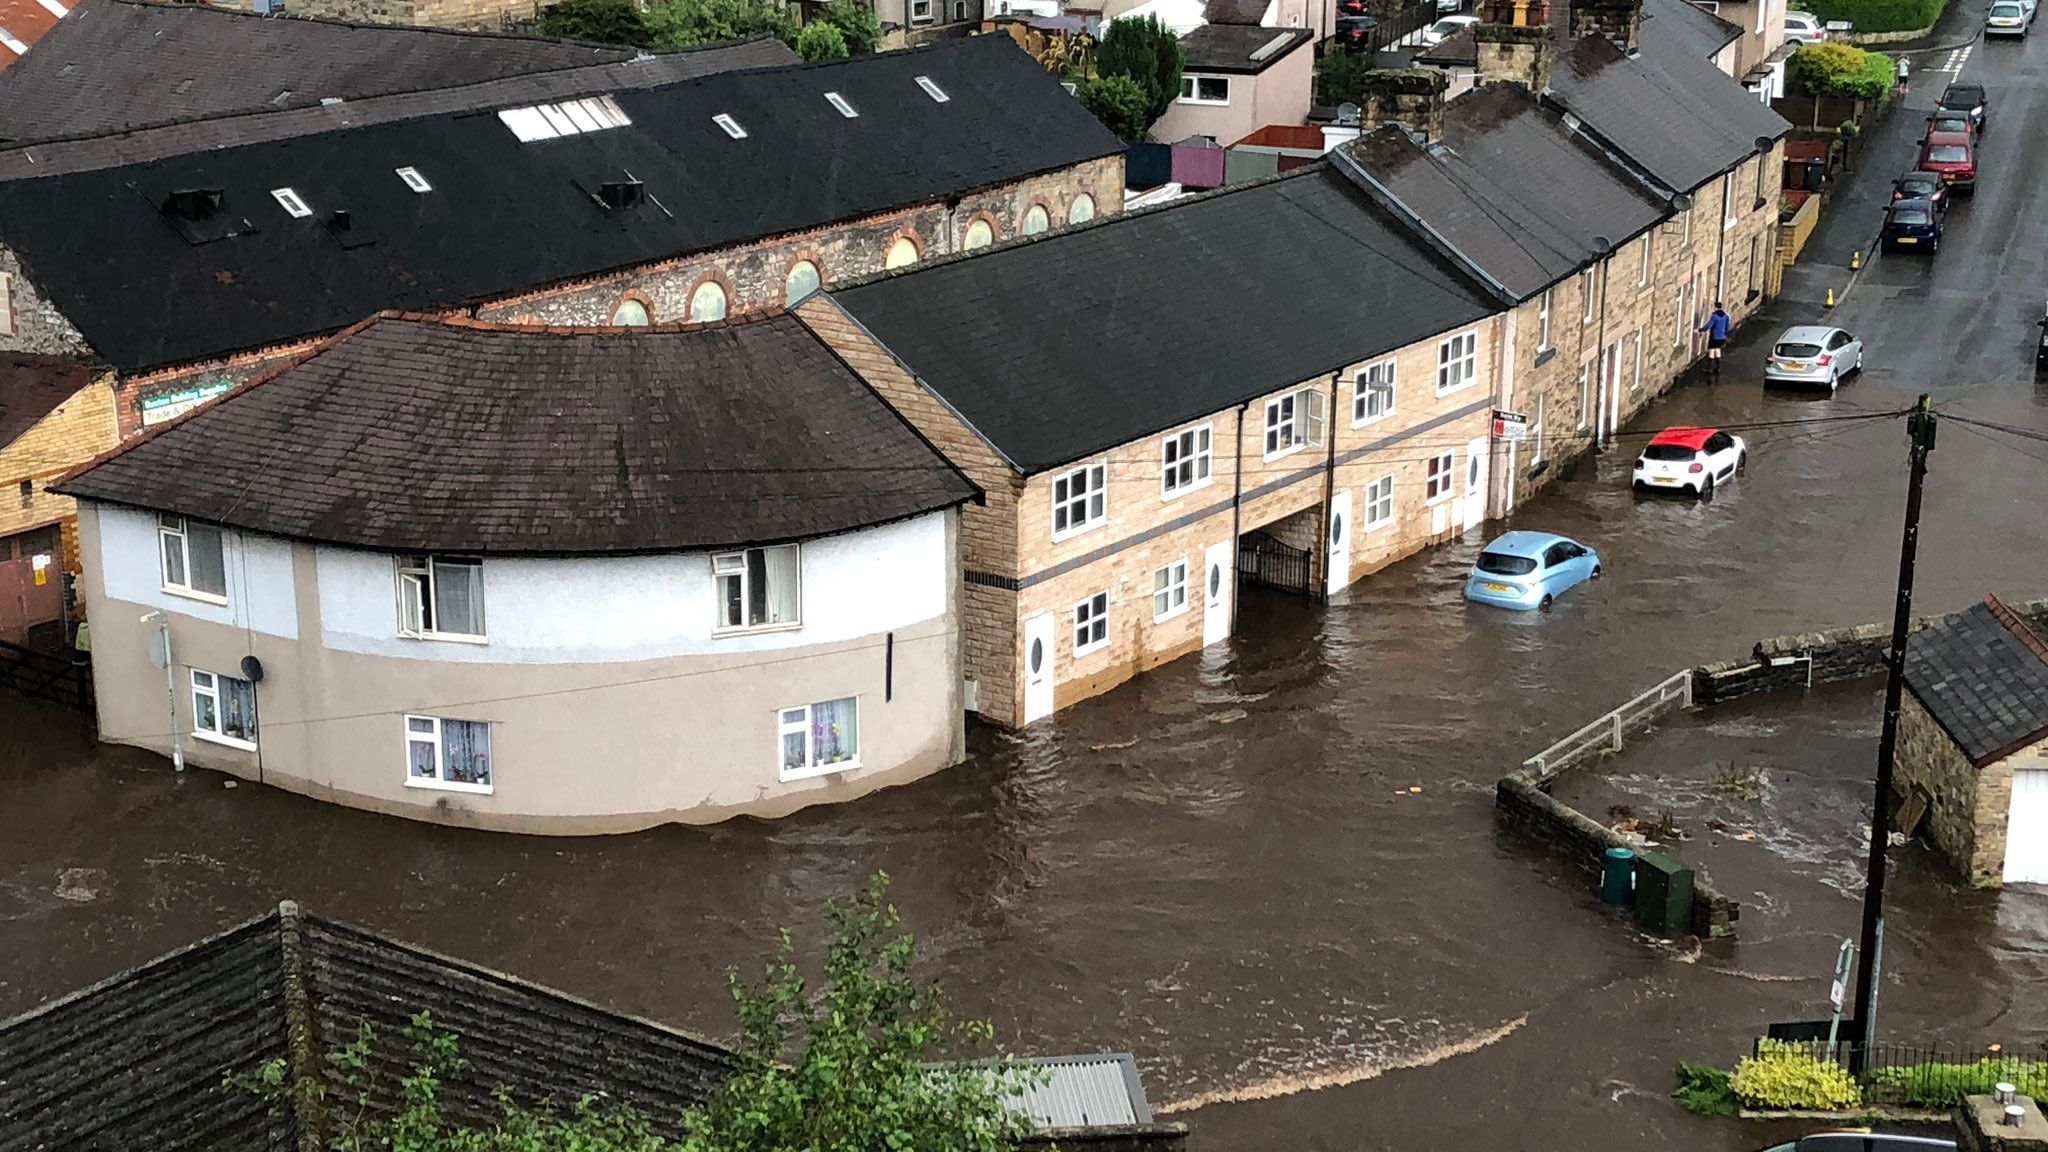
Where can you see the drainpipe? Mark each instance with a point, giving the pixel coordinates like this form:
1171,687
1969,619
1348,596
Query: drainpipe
1504,353
1721,244
1236,514
1613,396
1604,422
1329,481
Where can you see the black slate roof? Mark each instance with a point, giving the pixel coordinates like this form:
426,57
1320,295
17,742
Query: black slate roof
505,215
1230,47
1060,346
1681,26
1671,112
1982,675
413,434
1512,188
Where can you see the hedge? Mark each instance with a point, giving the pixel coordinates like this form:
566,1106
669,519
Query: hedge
1879,15
1834,69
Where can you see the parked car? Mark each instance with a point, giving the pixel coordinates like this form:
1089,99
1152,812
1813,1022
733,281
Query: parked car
1525,570
1865,1142
2006,18
1921,185
1355,32
1443,29
1953,155
1952,122
1911,226
1804,28
2033,7
1970,99
1446,7
1690,460
1813,354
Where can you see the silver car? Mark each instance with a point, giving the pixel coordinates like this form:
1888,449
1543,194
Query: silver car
1813,354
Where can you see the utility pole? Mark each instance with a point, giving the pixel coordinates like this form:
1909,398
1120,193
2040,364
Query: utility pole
1920,435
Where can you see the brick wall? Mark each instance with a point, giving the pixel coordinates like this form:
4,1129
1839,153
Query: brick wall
754,276
146,399
72,433
34,324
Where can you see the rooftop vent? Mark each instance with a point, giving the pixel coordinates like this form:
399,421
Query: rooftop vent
348,231
621,194
339,221
195,203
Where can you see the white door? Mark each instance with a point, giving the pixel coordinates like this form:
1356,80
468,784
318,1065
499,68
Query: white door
1475,483
2026,828
1338,536
1038,659
1219,575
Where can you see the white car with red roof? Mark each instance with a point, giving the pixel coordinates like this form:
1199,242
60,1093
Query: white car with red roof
1689,460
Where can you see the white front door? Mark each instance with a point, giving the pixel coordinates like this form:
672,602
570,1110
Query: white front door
2026,828
1475,483
1219,573
1038,658
1338,537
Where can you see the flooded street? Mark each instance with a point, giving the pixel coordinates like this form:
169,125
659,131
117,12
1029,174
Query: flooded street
1221,866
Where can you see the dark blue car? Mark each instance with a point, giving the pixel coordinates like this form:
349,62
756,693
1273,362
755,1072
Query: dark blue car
1912,226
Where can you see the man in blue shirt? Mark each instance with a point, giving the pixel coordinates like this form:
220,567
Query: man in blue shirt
1716,329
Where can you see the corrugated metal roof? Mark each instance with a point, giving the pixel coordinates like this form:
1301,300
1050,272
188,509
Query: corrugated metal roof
1085,1091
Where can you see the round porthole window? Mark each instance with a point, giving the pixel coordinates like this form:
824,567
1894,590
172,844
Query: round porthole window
1336,530
1037,655
1215,579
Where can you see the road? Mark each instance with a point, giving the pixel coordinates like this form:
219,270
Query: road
1221,866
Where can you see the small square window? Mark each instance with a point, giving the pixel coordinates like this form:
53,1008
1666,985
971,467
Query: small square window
414,180
1079,500
1170,590
932,90
731,126
1091,624
291,203
839,102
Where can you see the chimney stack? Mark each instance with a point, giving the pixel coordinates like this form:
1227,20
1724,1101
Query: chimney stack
1411,97
1513,52
1617,20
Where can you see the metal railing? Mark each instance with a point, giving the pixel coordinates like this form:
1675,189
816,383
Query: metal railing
1401,25
1936,1074
1607,733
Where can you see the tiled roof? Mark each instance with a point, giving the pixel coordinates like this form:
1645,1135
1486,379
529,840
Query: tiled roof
505,215
1512,188
1236,11
411,434
31,387
1982,675
1060,346
1684,27
1458,50
1239,48
23,24
115,65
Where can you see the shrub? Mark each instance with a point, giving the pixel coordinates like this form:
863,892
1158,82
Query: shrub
857,23
820,41
1120,103
1879,15
1340,76
1788,1076
686,23
595,21
1705,1089
1148,52
1945,1085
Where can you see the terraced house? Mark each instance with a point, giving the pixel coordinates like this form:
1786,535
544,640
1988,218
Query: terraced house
193,256
1275,382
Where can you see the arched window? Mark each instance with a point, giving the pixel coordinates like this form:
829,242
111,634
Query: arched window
631,314
707,302
979,235
1081,210
803,280
902,254
1035,220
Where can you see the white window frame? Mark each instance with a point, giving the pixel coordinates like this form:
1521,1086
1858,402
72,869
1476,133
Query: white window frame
1536,433
1636,383
1543,320
413,179
1374,520
1585,394
1189,452
1649,244
931,89
1685,226
1440,471
1174,590
1589,290
1294,423
6,304
1678,325
784,726
211,690
1460,352
1191,89
1728,201
1374,382
293,204
416,590
734,563
437,780
841,105
920,11
1097,619
1091,503
729,126
166,533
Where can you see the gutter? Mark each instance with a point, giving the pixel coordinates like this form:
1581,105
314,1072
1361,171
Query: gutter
1385,198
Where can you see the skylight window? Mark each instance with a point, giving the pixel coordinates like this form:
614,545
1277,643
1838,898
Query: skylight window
569,118
932,90
414,180
291,203
839,102
731,126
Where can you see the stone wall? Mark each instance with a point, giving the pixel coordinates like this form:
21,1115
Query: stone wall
468,15
1930,762
33,323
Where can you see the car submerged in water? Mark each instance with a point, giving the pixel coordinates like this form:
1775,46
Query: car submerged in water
1525,570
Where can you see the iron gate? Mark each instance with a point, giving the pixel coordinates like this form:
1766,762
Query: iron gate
62,677
1261,559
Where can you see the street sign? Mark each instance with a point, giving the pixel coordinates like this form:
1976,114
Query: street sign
1512,427
159,649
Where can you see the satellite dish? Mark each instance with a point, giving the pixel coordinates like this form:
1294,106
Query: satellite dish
252,669
1347,113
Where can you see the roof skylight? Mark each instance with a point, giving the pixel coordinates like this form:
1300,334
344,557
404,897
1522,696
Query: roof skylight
731,126
291,202
414,180
569,118
932,90
839,102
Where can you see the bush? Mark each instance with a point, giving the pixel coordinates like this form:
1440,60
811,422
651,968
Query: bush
1833,69
687,23
1705,1089
1945,1085
820,41
1148,52
1788,1076
595,21
857,24
1879,15
1340,76
1120,102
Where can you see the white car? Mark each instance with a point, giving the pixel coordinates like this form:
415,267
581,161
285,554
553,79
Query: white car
1689,460
1804,28
1444,6
1444,29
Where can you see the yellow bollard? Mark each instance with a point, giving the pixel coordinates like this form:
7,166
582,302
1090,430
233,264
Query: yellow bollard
1831,299
1856,260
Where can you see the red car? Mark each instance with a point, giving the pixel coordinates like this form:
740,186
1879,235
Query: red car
1954,156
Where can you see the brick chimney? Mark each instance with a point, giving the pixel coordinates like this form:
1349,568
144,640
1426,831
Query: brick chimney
1617,20
1516,52
1520,13
1411,97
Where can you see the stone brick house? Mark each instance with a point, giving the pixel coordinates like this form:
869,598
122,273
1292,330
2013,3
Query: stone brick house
1973,742
1274,383
51,409
260,234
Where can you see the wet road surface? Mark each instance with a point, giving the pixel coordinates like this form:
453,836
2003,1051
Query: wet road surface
1221,866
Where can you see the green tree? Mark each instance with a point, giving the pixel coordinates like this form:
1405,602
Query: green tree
857,24
820,41
1148,52
687,23
596,21
1120,102
1340,76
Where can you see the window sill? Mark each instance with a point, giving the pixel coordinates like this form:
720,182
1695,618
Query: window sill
1433,501
444,637
1071,533
1758,206
1284,452
1544,356
193,594
816,770
1201,103
1460,388
1170,614
447,785
1092,649
224,741
1361,423
1382,526
756,629
1192,486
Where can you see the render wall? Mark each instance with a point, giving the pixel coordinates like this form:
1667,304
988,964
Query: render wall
642,721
